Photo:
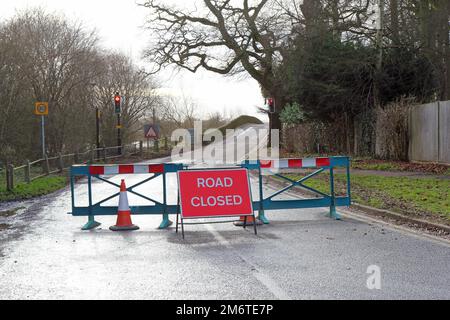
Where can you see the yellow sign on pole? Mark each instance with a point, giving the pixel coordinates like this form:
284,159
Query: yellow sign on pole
41,108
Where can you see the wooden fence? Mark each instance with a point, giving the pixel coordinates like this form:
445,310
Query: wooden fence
31,171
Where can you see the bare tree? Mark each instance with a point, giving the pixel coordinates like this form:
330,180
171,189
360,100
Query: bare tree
224,38
46,57
56,59
180,110
137,89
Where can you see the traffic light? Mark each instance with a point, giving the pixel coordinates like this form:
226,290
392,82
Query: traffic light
271,103
118,103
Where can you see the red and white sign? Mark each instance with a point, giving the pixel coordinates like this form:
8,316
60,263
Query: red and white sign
151,134
215,193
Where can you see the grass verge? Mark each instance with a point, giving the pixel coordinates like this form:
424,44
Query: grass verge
424,197
36,188
382,165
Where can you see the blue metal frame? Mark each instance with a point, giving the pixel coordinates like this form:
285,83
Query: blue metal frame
326,200
96,209
262,205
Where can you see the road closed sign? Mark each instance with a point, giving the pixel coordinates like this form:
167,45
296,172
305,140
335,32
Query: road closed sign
215,193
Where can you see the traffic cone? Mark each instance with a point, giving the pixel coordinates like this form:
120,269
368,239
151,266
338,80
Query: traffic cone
250,221
124,215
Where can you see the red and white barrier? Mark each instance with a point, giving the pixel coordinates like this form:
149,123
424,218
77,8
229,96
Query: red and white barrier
126,169
295,163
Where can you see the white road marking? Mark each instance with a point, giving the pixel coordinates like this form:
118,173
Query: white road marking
262,277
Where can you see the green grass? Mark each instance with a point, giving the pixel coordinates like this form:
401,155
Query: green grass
401,194
36,188
387,166
430,195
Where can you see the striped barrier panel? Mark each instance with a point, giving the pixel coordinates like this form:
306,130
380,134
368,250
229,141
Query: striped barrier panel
126,169
296,163
320,165
100,172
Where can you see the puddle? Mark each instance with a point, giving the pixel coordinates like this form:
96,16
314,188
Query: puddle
10,213
4,226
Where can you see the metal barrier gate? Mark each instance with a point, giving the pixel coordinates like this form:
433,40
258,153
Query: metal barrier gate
321,164
98,172
262,205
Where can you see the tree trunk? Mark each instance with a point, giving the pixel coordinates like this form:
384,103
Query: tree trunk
445,43
395,22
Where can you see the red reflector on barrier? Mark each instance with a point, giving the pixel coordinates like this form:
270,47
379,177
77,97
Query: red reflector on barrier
126,169
97,171
266,164
156,168
323,162
295,163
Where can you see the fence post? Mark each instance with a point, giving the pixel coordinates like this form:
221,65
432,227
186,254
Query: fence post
10,175
60,162
104,155
46,165
28,172
7,175
76,158
157,146
92,156
141,148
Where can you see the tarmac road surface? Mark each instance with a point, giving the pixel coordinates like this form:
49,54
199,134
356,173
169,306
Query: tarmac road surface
302,254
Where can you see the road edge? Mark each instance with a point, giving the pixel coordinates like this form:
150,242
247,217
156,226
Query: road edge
382,215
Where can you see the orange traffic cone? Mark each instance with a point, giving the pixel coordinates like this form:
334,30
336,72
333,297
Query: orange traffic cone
124,216
250,221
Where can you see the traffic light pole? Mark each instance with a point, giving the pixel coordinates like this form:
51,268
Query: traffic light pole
97,125
118,106
119,135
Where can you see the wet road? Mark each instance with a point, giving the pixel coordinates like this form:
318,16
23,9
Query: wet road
302,255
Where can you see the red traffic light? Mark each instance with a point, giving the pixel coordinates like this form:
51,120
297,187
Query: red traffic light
271,104
117,99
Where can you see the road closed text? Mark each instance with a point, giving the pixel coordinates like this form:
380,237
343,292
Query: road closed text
213,201
210,193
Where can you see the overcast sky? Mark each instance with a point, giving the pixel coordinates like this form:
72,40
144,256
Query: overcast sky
119,22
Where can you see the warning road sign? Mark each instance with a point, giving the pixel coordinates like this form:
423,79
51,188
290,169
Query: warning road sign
151,131
215,193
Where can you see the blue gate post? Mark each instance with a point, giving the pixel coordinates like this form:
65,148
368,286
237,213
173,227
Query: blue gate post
92,224
333,212
72,190
166,221
262,216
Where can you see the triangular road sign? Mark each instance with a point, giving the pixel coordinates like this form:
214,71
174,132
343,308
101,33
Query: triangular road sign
151,133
